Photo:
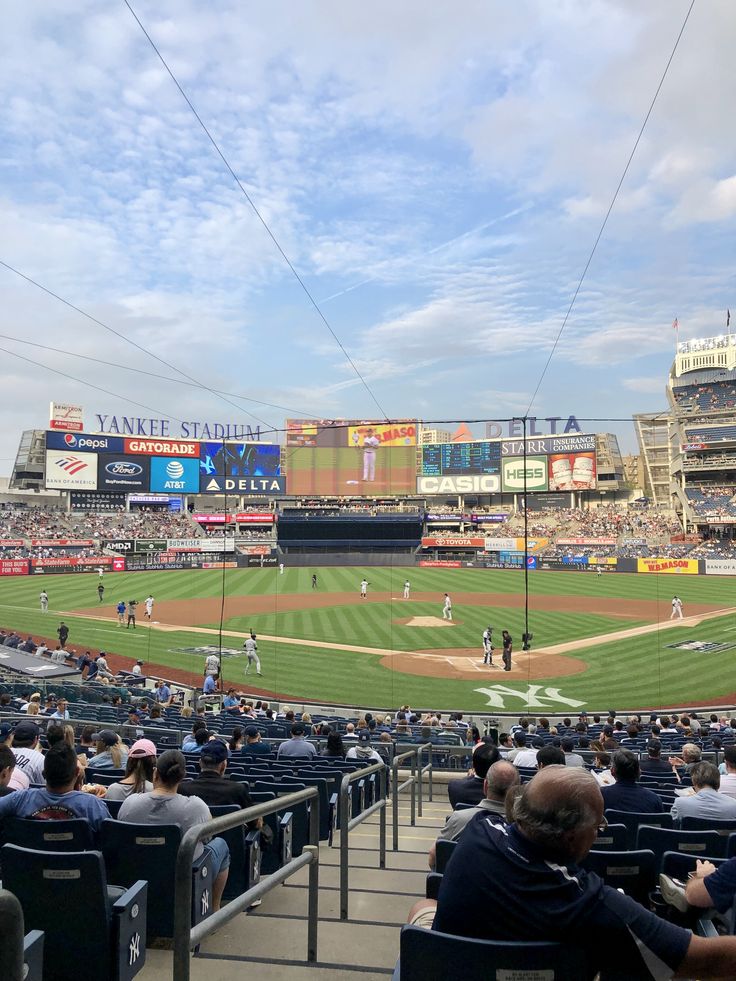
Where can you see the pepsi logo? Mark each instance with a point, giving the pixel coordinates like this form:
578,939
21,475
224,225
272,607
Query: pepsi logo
70,439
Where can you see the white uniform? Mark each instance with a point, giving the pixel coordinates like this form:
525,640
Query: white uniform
281,568
100,571
250,651
676,608
44,600
447,609
487,649
149,607
369,457
364,589
212,664
407,587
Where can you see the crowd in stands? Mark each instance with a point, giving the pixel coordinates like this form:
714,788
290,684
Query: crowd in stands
709,397
50,523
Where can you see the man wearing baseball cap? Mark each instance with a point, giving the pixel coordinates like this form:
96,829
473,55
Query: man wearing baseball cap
211,784
297,745
28,757
253,744
363,749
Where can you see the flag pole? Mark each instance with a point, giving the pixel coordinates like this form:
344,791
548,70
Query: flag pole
676,325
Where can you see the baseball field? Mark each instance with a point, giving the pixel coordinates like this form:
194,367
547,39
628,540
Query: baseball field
599,642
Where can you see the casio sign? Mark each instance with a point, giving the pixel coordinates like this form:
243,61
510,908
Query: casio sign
123,468
466,484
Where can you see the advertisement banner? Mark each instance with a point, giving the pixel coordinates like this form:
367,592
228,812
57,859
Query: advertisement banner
63,542
96,501
12,543
447,517
122,545
538,502
14,567
720,567
123,473
483,519
149,545
368,470
603,560
515,544
436,563
84,442
582,443
572,471
465,484
148,499
174,475
70,471
65,416
253,549
517,476
338,433
448,541
239,460
684,567
75,563
200,545
440,459
586,541
219,565
118,564
261,560
255,518
162,447
254,486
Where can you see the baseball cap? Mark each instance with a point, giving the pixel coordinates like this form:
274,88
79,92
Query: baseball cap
214,750
140,662
251,731
364,737
107,736
141,748
5,730
298,729
26,731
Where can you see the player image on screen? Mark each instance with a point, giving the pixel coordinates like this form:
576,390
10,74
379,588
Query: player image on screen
239,459
371,442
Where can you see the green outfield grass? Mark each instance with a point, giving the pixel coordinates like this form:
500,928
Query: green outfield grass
639,672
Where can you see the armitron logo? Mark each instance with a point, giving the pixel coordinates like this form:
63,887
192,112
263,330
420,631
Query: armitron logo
71,464
123,468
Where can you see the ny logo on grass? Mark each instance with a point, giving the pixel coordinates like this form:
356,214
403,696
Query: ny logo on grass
531,697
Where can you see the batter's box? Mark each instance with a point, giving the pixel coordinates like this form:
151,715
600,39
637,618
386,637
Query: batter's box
702,646
206,651
466,664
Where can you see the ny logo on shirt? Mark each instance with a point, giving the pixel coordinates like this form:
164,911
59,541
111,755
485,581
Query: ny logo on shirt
531,698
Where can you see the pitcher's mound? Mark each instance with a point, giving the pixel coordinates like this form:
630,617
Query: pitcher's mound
424,622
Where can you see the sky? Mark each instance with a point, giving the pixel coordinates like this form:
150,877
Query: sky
435,173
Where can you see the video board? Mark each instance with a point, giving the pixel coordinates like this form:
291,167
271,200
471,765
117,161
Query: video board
368,469
453,459
336,433
240,468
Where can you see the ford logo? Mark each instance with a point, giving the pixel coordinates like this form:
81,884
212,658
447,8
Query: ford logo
121,468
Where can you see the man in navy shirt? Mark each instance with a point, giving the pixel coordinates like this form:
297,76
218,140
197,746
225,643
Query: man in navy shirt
523,883
469,790
626,794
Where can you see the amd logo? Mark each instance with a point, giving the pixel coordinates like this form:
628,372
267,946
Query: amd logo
122,546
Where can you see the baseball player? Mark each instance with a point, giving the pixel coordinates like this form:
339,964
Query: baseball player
212,665
314,580
599,572
281,568
100,590
251,648
447,608
370,443
121,607
364,589
43,598
676,608
407,589
149,607
487,645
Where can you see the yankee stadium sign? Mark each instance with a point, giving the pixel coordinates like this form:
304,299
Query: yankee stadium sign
136,426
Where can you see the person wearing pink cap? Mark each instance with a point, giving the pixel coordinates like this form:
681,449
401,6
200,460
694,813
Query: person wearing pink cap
138,777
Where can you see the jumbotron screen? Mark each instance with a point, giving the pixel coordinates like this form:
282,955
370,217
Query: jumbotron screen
367,469
443,459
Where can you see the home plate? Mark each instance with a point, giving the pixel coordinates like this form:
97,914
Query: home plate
428,622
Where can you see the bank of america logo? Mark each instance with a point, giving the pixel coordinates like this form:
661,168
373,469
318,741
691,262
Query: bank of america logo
72,465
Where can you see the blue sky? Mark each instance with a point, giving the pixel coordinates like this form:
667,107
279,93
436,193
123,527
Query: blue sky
436,173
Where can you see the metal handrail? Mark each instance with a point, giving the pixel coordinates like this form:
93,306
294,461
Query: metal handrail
187,936
421,770
347,825
11,930
411,782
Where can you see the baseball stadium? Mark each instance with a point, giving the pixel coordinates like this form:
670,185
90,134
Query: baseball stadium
410,679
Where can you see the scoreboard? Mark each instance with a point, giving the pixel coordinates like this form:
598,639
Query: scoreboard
449,459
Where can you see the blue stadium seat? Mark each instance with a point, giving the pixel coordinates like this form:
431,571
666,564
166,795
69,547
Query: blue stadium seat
632,820
73,835
697,843
632,871
61,890
613,838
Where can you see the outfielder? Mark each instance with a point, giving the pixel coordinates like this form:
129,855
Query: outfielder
447,608
364,589
251,649
43,598
407,589
149,606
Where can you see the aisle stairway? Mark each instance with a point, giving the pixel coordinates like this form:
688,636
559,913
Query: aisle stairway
270,942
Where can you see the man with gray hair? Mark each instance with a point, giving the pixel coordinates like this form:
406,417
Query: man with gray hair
523,882
501,778
686,762
706,802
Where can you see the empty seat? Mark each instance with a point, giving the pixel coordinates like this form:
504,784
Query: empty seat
632,871
698,843
632,820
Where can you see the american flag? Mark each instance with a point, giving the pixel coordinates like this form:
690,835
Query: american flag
675,324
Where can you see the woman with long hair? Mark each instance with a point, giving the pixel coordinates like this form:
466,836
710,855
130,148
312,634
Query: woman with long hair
138,777
111,754
334,746
165,805
236,740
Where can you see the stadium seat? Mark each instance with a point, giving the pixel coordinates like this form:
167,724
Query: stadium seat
134,850
698,843
427,955
632,871
443,853
705,824
613,838
73,835
61,890
632,820
245,854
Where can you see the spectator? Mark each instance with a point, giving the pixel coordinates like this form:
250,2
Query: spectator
571,758
334,747
501,779
707,887
728,780
654,765
297,745
201,738
111,754
626,794
211,784
706,802
363,749
469,790
86,742
550,756
254,743
62,711
35,699
231,702
236,739
28,758
190,743
138,777
165,805
690,756
529,874
61,798
7,765
527,755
